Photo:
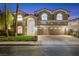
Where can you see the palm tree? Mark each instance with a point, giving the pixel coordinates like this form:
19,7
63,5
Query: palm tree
17,7
6,29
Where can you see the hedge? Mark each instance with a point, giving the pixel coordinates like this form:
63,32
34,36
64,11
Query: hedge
17,38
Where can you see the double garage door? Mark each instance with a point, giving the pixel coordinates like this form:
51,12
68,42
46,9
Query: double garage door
56,32
51,32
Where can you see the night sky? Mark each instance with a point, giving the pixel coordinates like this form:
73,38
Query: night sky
73,8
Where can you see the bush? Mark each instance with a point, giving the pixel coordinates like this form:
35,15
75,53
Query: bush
17,38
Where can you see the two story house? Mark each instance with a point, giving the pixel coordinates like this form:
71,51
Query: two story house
43,22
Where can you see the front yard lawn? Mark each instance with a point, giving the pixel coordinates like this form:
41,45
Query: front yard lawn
18,38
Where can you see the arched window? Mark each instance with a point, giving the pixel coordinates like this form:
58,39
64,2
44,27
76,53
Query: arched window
44,16
19,29
19,17
59,16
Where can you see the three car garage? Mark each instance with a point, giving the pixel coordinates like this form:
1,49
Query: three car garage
53,31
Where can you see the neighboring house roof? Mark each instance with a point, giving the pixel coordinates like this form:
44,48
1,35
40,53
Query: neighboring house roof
76,19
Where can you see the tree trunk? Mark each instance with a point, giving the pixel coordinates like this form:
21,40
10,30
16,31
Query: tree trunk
6,29
17,6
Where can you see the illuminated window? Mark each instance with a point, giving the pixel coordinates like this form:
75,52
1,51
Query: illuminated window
19,17
20,29
59,16
44,16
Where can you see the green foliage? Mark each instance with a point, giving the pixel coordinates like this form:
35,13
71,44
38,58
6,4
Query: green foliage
9,18
1,19
16,38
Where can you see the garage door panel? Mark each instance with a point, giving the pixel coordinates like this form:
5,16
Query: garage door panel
40,32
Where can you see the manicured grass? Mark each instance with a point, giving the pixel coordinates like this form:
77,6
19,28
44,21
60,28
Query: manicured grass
16,38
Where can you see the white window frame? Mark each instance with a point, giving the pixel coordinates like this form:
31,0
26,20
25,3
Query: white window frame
19,17
44,16
59,16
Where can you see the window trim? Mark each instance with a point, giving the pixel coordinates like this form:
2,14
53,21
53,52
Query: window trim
59,16
44,16
19,16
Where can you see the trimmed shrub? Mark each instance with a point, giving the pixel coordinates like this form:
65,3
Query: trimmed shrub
18,38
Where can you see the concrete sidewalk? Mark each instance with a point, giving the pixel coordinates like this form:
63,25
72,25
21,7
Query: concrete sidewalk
29,43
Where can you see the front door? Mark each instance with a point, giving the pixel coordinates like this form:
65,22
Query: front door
31,26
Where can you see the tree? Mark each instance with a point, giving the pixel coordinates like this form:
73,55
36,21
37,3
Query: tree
1,20
6,29
17,7
9,19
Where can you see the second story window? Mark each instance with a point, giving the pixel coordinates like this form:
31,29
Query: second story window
59,16
44,16
19,17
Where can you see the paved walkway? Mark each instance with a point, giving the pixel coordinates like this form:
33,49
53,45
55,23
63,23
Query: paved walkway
28,43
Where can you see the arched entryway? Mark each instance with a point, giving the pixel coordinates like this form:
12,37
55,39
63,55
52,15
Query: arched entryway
31,26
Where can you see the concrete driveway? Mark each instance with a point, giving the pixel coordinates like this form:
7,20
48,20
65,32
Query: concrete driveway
57,40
